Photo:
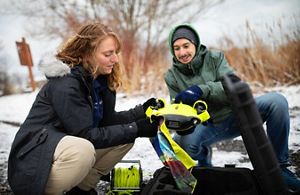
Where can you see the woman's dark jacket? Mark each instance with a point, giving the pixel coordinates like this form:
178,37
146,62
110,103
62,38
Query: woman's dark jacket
64,107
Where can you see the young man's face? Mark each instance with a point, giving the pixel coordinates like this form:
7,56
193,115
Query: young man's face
184,50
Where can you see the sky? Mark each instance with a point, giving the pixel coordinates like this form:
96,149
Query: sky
224,19
230,17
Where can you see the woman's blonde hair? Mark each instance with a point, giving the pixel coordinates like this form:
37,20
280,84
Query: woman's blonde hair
82,46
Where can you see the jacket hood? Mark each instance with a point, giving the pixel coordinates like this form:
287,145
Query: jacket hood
52,67
196,62
170,38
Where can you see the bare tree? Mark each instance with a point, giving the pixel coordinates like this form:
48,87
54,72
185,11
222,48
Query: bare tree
5,85
55,18
141,24
3,75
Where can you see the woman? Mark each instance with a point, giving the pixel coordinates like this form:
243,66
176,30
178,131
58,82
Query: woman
72,135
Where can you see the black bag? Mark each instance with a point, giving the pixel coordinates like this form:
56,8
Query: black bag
213,180
218,180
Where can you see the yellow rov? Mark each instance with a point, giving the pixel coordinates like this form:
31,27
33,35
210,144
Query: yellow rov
179,116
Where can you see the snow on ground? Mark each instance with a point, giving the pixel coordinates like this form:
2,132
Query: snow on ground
15,108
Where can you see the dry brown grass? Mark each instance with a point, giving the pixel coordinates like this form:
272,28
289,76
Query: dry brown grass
263,62
268,64
145,76
148,80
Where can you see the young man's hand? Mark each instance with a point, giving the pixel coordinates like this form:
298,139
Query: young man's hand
189,96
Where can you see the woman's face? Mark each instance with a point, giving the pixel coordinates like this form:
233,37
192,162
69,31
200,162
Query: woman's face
106,56
184,50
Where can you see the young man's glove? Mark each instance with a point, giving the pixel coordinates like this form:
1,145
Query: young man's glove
189,96
147,129
149,102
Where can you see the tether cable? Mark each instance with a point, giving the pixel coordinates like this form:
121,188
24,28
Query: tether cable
124,179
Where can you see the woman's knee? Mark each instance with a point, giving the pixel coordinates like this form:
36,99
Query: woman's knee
85,152
73,159
77,150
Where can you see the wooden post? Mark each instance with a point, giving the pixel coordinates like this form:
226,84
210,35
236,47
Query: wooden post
26,59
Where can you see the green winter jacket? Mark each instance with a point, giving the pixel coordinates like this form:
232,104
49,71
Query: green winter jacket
205,70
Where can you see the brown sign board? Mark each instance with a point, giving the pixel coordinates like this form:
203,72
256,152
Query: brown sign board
26,59
24,53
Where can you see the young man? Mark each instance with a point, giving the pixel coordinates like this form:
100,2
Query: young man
196,74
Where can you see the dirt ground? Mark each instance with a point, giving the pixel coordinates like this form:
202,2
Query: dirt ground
7,133
235,145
